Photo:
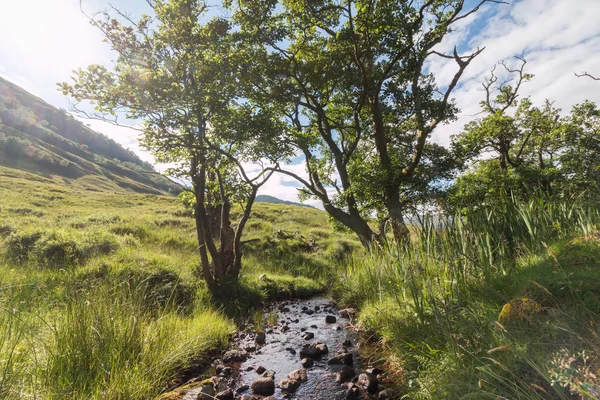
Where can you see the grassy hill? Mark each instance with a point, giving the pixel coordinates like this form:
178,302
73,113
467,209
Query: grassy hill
38,138
274,200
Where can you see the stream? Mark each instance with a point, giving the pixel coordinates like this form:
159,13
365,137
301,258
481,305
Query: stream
312,352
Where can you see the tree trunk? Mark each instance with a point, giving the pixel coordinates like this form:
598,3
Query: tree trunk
355,222
395,213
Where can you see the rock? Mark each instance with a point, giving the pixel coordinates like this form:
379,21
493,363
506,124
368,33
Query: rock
313,350
260,338
308,336
348,313
263,386
242,388
247,397
330,319
299,375
260,369
291,350
269,374
250,348
347,343
235,356
374,370
353,392
368,382
289,385
344,358
270,398
345,374
226,371
314,326
262,277
385,395
322,347
226,394
207,392
219,368
307,362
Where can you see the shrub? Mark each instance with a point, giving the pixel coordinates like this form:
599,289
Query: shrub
19,246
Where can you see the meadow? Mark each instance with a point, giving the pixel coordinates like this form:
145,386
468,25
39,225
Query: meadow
100,296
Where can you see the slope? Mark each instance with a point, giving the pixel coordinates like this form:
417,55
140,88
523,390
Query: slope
39,138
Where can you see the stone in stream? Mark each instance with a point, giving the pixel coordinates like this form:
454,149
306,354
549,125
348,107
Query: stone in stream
260,338
308,336
263,386
300,375
260,369
269,374
353,392
291,350
385,395
307,362
330,319
345,374
347,343
235,356
247,397
242,388
368,382
314,326
313,350
289,385
226,394
344,358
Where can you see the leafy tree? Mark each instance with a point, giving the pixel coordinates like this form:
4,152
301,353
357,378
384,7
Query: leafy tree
580,157
518,141
351,79
180,73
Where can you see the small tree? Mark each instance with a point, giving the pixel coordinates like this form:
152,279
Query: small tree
182,77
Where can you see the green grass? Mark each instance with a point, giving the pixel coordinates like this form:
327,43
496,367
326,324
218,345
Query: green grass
99,290
471,311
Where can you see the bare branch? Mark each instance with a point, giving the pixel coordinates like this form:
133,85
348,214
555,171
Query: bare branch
584,73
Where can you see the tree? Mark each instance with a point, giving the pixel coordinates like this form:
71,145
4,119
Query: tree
351,78
182,77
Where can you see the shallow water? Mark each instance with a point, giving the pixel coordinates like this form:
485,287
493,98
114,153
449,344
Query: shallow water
274,354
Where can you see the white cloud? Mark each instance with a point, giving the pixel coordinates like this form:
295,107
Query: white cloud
556,37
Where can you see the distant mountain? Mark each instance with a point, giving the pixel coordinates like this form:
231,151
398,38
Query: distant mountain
270,199
39,138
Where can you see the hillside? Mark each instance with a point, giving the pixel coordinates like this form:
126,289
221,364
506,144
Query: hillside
263,198
39,138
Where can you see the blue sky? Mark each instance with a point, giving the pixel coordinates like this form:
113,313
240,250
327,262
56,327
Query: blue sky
44,40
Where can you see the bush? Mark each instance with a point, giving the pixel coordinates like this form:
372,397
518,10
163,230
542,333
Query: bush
19,246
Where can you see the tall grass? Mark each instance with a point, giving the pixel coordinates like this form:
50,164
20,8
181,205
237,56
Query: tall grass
435,302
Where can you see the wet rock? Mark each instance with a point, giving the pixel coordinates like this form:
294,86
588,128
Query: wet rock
226,394
291,350
347,343
344,358
260,338
353,392
270,398
348,313
249,348
299,375
308,336
307,362
242,388
260,369
345,374
226,371
235,356
368,382
302,329
247,397
269,374
313,350
330,319
289,385
263,386
314,326
249,368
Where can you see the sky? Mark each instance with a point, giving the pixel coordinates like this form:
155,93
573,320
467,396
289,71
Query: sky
42,41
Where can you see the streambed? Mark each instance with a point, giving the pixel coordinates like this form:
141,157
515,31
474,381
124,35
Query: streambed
311,332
